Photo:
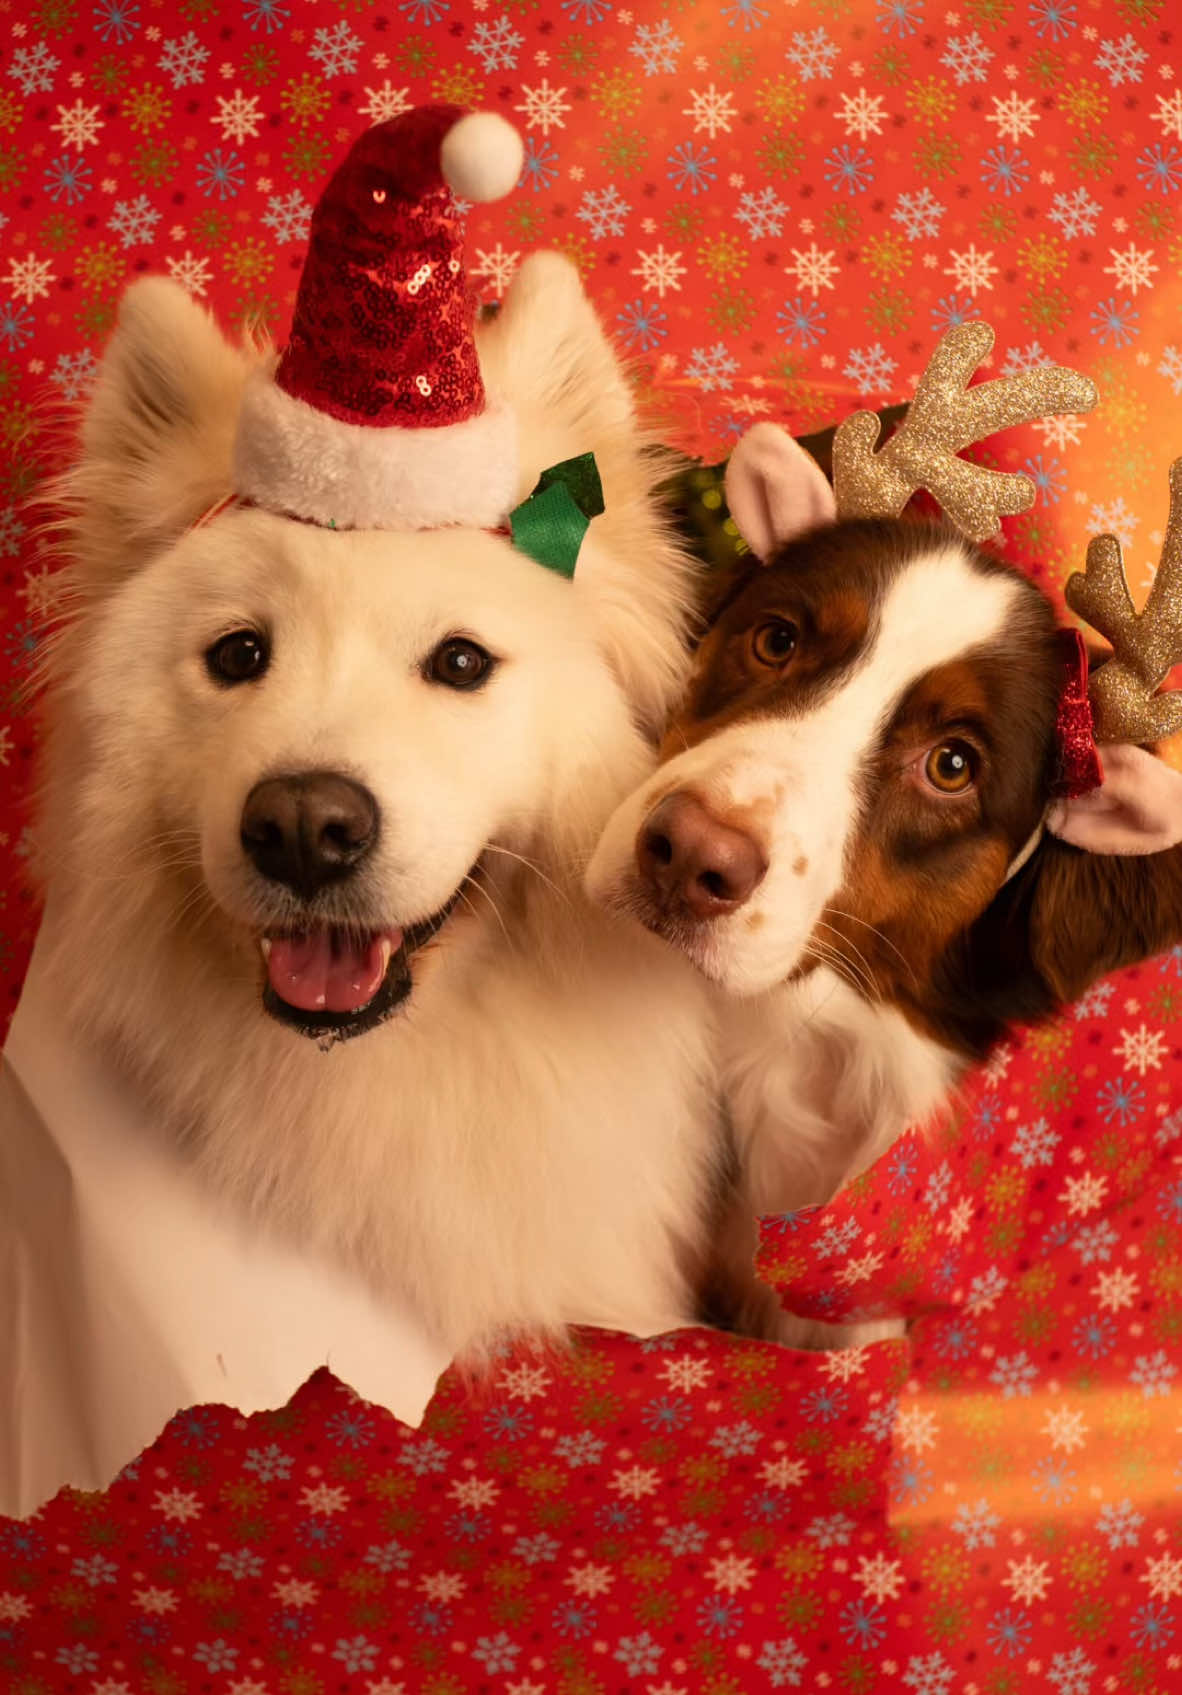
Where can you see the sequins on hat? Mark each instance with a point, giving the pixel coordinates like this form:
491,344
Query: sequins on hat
375,414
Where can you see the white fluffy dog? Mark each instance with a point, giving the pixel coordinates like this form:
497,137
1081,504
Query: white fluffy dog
518,1133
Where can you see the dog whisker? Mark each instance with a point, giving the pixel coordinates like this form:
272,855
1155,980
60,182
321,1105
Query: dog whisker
474,883
875,931
823,954
530,865
862,965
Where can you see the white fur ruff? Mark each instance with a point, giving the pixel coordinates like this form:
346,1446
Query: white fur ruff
293,459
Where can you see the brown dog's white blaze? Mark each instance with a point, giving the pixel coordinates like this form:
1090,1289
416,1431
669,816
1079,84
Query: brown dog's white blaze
951,779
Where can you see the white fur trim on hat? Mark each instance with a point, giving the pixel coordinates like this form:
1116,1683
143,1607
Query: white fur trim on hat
291,458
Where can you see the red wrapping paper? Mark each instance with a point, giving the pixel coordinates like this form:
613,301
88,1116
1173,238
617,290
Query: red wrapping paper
776,209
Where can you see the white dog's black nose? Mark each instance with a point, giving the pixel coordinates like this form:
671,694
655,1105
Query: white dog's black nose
308,830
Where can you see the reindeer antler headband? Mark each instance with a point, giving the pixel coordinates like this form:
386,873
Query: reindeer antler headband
776,490
945,416
1146,645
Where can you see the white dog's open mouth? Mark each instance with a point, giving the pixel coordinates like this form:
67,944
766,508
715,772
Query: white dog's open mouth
335,981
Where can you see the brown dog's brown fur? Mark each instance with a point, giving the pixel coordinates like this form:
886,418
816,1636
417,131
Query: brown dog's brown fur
921,911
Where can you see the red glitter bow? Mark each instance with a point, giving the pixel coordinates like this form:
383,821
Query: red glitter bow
1080,769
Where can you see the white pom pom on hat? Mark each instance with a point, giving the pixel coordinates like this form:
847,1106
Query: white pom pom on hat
482,157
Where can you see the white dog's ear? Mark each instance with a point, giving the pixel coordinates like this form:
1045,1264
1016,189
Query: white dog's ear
546,353
775,490
156,436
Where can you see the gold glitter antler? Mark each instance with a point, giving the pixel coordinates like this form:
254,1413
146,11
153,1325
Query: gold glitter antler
945,416
1146,645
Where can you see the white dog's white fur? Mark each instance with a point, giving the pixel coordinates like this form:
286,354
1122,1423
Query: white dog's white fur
526,1143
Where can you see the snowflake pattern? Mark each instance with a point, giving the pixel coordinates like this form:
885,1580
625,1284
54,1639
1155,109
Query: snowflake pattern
73,374
761,214
968,58
134,221
605,212
34,68
192,271
660,271
971,270
287,217
862,114
1014,117
496,266
1132,268
813,53
870,370
812,269
657,47
1142,1049
29,279
78,125
543,107
1121,59
496,45
1169,113
1075,213
238,117
711,111
773,213
919,213
184,60
335,50
712,367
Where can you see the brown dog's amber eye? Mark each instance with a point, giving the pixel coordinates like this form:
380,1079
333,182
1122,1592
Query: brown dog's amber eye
775,641
951,767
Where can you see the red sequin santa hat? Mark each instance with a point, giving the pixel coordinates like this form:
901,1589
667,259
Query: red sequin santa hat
375,415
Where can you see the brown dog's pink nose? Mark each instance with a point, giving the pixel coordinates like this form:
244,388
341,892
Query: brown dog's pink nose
693,863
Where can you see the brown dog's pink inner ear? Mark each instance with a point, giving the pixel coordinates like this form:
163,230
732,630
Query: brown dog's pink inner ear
774,490
1094,913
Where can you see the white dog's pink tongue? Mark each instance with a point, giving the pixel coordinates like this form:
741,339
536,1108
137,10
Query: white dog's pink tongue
326,972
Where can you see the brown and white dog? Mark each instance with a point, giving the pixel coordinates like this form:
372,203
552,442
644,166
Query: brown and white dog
850,834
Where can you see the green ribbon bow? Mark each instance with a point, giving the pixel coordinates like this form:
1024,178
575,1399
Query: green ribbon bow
551,524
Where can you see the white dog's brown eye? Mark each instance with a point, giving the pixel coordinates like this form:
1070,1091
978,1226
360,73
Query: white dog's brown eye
951,767
775,641
459,663
240,657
